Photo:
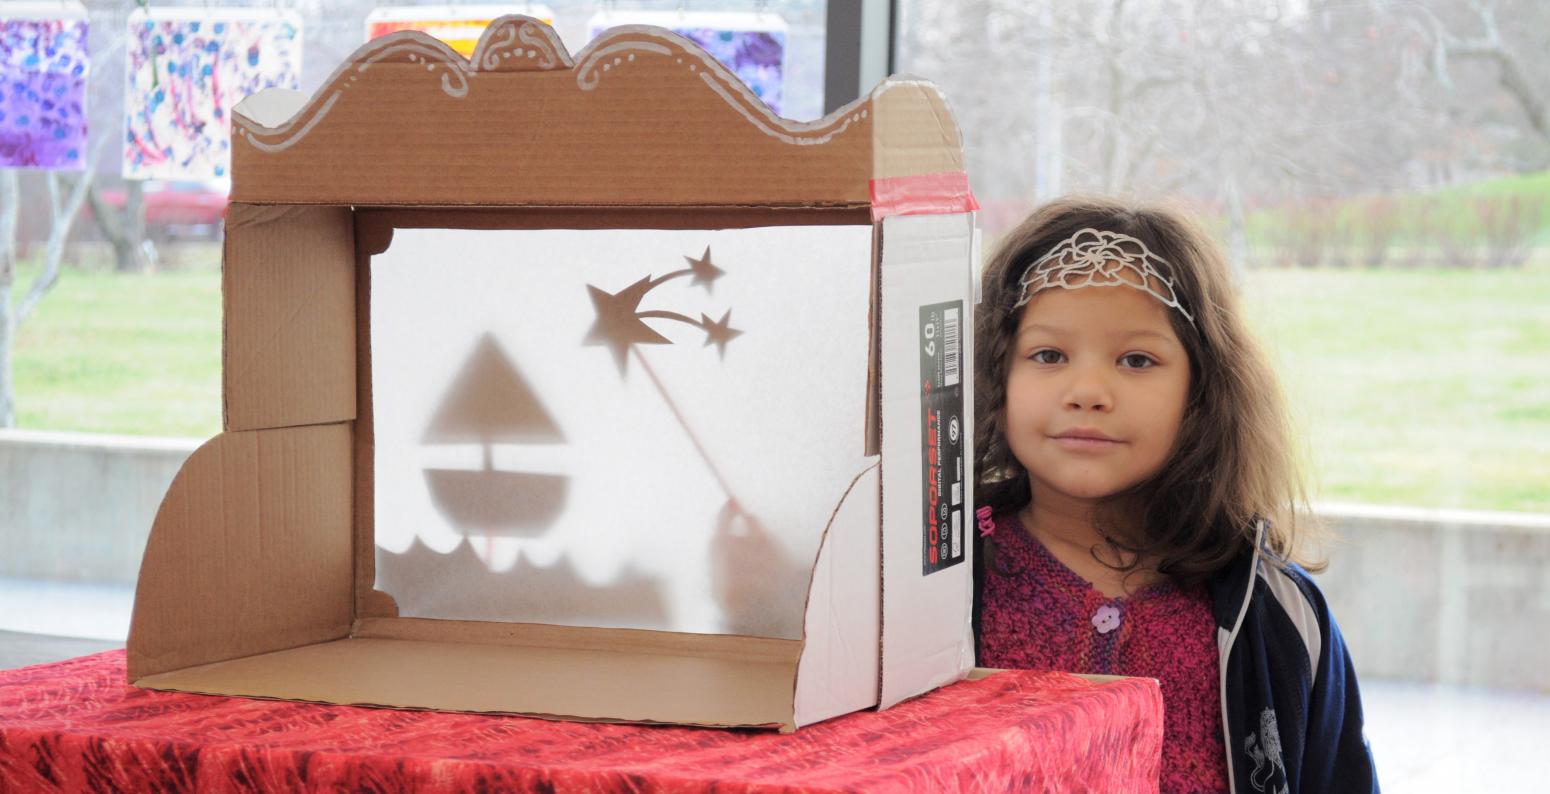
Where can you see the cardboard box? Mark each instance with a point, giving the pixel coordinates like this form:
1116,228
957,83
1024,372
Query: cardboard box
459,434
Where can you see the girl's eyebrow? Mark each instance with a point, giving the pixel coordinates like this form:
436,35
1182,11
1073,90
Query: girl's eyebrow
1145,332
1048,329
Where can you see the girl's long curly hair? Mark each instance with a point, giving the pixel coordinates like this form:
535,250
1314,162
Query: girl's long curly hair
1233,461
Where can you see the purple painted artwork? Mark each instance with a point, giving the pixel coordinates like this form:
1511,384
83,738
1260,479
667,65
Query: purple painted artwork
752,46
758,57
186,71
43,70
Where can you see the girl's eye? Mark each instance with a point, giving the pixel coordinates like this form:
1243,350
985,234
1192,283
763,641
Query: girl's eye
1046,356
1137,361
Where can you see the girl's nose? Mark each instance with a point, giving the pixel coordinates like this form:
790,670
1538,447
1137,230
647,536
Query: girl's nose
1088,390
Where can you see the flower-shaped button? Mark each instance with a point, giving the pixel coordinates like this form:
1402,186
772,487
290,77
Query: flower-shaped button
1106,619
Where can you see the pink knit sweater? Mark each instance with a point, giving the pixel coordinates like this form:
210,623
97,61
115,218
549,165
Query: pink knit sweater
1043,616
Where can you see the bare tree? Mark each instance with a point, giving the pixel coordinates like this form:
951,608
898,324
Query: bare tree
123,226
10,209
1237,105
65,199
1485,43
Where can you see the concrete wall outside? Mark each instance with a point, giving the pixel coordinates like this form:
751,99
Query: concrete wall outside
78,507
1428,595
1449,596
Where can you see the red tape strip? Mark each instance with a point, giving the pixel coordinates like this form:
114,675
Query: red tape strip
941,193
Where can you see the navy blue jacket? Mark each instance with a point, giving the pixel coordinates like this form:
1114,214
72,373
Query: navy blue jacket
1291,711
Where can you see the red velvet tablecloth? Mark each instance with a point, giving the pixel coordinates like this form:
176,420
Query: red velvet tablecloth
77,726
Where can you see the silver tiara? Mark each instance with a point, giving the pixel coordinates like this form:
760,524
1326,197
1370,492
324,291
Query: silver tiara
1096,258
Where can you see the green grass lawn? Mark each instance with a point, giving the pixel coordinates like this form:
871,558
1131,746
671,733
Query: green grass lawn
1422,388
132,354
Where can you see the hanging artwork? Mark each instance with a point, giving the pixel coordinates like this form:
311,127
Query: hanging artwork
459,26
752,46
187,68
43,71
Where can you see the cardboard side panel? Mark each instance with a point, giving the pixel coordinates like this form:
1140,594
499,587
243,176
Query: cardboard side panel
249,553
927,306
289,349
839,667
538,681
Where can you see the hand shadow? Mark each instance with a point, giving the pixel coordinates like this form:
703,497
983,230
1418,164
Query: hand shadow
761,590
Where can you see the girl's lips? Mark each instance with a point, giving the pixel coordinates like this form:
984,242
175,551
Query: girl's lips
1084,444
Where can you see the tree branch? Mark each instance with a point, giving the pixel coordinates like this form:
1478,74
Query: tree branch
59,230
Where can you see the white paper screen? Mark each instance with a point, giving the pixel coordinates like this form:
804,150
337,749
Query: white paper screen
606,428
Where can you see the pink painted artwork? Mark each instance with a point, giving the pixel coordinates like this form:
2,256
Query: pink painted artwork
43,71
186,71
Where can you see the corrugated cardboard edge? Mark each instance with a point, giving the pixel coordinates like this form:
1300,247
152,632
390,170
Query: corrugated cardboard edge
249,551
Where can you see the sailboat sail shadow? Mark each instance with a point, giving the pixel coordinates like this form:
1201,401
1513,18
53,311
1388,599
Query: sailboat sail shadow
491,403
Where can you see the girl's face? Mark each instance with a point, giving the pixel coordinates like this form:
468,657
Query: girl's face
1095,391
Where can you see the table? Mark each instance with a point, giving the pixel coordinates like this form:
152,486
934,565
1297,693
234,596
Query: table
77,725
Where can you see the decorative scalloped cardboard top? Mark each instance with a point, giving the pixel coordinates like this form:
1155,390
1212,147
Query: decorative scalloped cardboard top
640,117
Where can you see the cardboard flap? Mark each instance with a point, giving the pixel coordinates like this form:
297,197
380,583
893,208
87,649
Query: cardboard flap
250,551
928,582
406,121
288,278
839,667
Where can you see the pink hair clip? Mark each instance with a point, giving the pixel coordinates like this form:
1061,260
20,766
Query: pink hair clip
987,526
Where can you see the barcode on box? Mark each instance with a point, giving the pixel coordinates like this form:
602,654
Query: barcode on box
957,534
957,494
950,347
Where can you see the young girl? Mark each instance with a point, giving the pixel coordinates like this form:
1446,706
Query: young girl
1139,497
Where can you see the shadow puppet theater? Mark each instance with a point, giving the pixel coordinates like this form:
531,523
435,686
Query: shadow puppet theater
579,387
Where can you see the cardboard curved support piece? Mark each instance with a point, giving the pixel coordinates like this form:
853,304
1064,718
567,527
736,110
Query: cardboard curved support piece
838,670
250,551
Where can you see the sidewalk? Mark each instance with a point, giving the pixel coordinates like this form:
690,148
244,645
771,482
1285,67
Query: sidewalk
1431,739
66,609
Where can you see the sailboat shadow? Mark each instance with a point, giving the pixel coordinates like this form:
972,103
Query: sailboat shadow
490,402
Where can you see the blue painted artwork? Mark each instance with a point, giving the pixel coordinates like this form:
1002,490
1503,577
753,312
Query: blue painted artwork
43,71
758,57
187,68
752,46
